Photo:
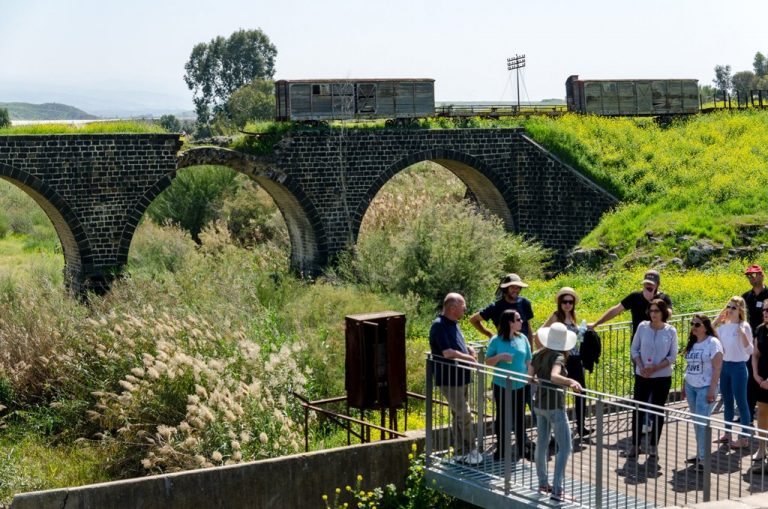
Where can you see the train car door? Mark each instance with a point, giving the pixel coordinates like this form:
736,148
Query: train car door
366,98
644,98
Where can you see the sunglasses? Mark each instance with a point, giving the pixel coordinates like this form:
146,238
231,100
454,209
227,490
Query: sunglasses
731,307
696,324
567,301
753,274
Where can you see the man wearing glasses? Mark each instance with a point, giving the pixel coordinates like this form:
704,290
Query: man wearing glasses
754,299
638,302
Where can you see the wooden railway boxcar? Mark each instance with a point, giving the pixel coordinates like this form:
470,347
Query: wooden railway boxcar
632,97
322,100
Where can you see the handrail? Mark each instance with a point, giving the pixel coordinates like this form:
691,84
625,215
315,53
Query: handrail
598,470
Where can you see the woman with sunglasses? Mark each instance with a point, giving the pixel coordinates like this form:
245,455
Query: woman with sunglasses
760,370
654,348
511,351
736,336
704,358
566,300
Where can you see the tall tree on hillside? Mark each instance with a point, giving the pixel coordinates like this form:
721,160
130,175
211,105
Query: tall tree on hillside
722,78
760,65
742,83
216,69
5,118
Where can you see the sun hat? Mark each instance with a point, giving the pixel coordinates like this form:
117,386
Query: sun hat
566,290
512,280
557,337
754,269
653,277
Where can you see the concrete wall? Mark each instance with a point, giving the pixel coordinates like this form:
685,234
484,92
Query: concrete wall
296,481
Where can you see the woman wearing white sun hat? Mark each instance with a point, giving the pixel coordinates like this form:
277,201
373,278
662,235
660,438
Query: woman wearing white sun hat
548,366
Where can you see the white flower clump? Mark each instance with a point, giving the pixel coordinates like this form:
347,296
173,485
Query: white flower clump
196,397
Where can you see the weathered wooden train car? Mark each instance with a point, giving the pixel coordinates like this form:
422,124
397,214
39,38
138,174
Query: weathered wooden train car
632,97
323,100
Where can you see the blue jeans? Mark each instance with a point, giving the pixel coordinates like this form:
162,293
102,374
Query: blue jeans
698,405
733,384
548,421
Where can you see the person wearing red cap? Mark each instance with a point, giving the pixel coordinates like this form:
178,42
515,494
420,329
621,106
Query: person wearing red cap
754,299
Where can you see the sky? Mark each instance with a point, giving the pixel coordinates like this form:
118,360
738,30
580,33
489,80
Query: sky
99,54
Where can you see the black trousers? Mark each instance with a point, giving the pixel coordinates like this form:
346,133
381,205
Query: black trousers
657,389
576,371
752,391
518,419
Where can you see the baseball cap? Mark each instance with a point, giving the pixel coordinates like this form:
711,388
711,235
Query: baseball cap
653,277
754,269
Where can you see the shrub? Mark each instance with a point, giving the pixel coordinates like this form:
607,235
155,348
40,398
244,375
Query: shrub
447,247
192,199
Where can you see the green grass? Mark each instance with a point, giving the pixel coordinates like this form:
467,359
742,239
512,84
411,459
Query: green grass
29,462
112,127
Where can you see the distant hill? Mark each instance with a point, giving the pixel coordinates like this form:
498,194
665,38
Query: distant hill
47,111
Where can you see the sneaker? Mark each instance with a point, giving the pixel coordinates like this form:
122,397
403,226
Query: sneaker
585,432
692,459
699,466
473,458
632,452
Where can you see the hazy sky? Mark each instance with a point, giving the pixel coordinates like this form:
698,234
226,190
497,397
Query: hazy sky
54,48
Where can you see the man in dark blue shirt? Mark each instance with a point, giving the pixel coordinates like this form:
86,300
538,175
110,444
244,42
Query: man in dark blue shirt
447,345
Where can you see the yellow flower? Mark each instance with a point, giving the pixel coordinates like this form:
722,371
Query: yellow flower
359,477
325,498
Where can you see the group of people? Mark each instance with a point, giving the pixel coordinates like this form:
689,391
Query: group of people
729,353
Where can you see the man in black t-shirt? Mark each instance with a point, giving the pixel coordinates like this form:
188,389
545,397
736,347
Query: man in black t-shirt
509,297
754,299
638,302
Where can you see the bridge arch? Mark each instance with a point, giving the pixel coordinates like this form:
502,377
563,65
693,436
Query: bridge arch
308,250
78,256
473,172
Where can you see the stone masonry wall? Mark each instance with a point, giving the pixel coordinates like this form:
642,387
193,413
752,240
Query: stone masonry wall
88,185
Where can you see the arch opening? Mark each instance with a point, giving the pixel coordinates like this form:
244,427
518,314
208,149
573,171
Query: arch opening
47,224
254,189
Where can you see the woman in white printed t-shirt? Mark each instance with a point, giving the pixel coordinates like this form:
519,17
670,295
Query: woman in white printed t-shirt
736,337
704,360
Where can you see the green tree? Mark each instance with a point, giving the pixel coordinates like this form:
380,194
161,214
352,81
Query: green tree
254,101
722,78
760,65
170,123
215,70
193,198
742,83
5,118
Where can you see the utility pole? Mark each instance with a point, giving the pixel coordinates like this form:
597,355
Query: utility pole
515,63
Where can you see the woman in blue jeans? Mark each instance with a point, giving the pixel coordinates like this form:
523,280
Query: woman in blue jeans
548,366
704,361
736,337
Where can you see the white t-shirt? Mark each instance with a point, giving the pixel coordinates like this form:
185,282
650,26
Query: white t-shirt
698,371
733,349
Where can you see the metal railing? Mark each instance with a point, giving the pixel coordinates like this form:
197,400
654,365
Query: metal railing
614,372
599,473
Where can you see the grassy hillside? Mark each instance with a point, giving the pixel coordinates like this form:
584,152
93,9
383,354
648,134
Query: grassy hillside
701,180
46,111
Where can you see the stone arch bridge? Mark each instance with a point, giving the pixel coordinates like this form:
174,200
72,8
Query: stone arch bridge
96,188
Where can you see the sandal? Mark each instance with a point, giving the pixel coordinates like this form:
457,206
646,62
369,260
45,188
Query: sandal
724,439
740,443
545,488
562,497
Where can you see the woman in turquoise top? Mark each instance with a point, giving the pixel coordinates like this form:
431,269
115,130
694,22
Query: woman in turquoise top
509,350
